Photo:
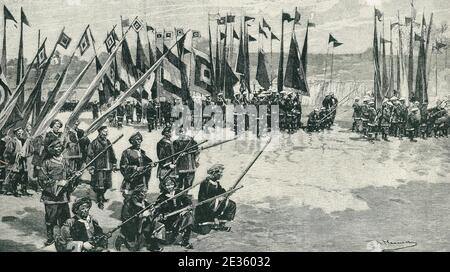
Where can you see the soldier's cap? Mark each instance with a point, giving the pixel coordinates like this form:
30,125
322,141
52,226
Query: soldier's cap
167,129
135,136
54,121
80,202
101,128
218,167
17,129
54,144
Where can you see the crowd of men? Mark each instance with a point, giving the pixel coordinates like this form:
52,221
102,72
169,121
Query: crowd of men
323,118
57,161
397,119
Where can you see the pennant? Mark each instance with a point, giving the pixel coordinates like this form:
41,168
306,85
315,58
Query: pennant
286,17
203,71
137,25
235,35
261,31
196,34
261,71
273,37
110,42
7,15
248,18
64,40
251,39
23,18
179,31
336,44
331,39
418,38
221,21
169,35
295,77
230,18
222,36
125,23
42,56
84,43
265,24
378,14
149,28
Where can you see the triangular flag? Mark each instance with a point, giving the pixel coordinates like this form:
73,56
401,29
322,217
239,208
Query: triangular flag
261,31
273,37
7,15
24,18
265,24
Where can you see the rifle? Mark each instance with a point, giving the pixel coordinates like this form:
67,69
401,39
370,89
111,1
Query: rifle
72,180
153,207
227,194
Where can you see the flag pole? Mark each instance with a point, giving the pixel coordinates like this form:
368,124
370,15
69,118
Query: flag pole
436,76
331,71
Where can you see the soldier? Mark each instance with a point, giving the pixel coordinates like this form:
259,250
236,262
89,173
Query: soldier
313,121
412,123
164,149
151,116
16,154
138,231
403,116
103,166
324,119
53,177
76,147
186,164
54,134
81,233
220,211
396,117
177,224
372,122
120,112
138,108
384,119
129,112
356,114
134,161
95,110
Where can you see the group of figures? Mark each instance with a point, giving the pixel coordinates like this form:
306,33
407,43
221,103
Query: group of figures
323,118
395,118
58,161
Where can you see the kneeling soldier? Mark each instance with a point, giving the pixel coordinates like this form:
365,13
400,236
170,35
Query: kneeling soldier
81,233
217,212
177,224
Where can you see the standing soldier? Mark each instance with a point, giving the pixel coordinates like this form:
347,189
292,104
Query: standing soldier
53,177
81,232
129,112
220,211
16,154
164,149
412,123
135,162
372,122
138,108
95,110
384,119
186,164
177,224
151,115
396,118
356,114
101,169
54,134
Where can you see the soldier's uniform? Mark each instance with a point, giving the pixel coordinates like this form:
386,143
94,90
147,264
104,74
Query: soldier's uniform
95,110
76,231
50,137
16,154
177,224
187,164
412,123
129,113
372,122
313,121
222,210
151,116
131,160
138,112
384,119
164,149
56,191
356,114
101,169
120,112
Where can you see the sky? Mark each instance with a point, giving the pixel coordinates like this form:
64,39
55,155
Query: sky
349,21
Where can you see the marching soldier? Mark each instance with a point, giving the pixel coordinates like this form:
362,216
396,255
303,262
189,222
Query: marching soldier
164,149
219,211
102,168
177,224
134,161
137,232
76,147
81,233
16,154
186,164
56,189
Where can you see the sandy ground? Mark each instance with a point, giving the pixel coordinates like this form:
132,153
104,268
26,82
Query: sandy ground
328,191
